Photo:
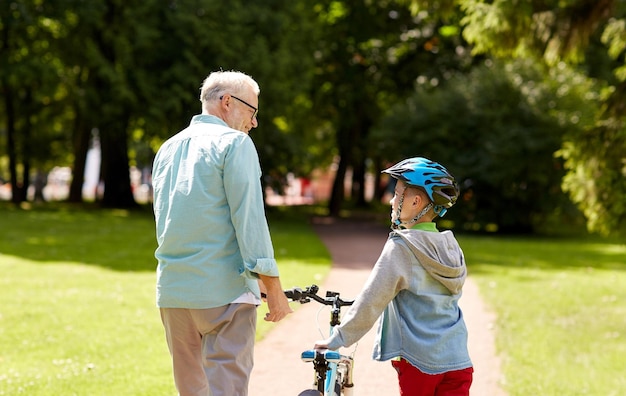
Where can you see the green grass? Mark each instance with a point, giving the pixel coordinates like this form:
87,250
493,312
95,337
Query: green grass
561,307
77,312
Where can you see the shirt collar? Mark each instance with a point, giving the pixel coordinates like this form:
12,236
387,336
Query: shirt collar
207,119
426,226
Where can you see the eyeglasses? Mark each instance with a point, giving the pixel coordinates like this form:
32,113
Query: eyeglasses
256,111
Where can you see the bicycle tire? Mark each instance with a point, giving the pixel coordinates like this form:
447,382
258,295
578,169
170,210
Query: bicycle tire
337,388
310,392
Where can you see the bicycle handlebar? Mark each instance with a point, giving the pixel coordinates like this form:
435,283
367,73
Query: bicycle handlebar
305,296
310,293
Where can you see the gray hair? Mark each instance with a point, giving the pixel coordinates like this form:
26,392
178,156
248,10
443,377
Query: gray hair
222,82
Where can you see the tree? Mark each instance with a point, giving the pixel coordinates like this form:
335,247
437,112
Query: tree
144,77
28,69
496,129
368,56
567,32
109,63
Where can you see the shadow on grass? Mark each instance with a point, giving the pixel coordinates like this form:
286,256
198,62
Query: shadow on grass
121,240
117,239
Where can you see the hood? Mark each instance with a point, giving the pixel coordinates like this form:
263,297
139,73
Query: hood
440,254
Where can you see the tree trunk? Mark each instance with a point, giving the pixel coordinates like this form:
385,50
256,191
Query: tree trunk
358,181
9,104
26,143
379,188
115,170
346,137
337,194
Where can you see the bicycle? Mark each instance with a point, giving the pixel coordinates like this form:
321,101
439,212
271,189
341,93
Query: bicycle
333,371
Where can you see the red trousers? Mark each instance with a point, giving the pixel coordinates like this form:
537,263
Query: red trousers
413,382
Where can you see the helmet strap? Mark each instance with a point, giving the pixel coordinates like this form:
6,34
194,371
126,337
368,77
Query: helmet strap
398,224
422,213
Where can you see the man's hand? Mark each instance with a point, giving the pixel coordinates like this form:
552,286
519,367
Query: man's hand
277,303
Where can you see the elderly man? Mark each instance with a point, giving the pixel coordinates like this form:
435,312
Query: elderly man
214,247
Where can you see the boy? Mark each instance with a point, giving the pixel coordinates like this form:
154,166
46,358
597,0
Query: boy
416,284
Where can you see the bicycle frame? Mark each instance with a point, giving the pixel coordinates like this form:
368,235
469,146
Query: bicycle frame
333,371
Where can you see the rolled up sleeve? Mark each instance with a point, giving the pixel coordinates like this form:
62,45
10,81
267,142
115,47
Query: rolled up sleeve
242,183
264,266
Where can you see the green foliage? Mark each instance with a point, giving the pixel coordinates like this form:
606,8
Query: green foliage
328,70
497,130
596,180
133,69
31,113
560,321
552,30
578,32
368,57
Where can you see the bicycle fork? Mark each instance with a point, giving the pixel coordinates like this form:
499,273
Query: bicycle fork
331,368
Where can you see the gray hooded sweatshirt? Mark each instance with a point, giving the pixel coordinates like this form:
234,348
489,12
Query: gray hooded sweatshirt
414,289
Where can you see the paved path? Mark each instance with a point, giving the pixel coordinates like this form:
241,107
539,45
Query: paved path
354,247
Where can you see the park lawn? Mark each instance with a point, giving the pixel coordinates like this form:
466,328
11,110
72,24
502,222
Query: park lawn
561,309
78,315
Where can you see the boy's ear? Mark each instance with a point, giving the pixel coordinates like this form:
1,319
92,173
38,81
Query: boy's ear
420,200
417,199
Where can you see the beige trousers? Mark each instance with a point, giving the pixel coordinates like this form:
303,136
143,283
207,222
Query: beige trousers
212,349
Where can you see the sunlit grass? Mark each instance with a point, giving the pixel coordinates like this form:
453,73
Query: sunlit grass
561,307
78,314
77,311
69,328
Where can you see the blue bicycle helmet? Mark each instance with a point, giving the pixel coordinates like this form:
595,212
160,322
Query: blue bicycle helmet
438,183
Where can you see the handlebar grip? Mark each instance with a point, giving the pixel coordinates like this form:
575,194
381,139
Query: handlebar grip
294,294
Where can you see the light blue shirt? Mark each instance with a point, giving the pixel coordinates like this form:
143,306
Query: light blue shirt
212,234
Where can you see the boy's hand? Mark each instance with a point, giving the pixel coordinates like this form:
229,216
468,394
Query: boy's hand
320,345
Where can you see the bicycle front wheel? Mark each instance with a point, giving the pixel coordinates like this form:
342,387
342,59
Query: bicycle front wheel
337,389
310,392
